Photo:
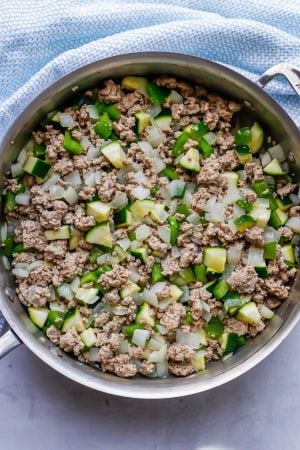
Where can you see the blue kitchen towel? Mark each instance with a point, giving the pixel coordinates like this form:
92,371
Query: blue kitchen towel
42,41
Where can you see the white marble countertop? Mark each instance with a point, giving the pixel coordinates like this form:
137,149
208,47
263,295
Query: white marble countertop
42,410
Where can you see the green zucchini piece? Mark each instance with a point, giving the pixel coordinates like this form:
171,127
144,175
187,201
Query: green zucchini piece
63,232
273,168
187,274
228,342
10,200
191,160
54,318
142,121
278,218
134,83
88,337
175,293
244,222
249,313
231,177
257,138
114,153
36,167
141,208
270,250
283,203
214,259
221,289
141,253
288,254
130,329
243,153
129,289
200,272
88,296
163,119
100,234
38,316
123,218
99,210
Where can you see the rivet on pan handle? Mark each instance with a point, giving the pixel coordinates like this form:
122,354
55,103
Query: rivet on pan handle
290,72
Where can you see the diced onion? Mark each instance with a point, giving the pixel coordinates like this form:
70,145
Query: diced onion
75,284
265,312
50,182
164,233
156,342
20,273
93,112
232,195
107,258
150,297
161,329
92,354
71,196
174,98
140,192
229,268
175,252
85,142
124,347
140,177
154,110
154,135
159,165
3,232
73,178
119,201
294,224
147,149
242,175
23,198
65,291
234,254
22,156
186,294
176,187
193,218
192,340
140,337
232,226
34,265
66,120
120,310
157,287
5,262
16,169
89,179
295,199
217,214
134,276
162,369
158,355
255,257
142,232
56,192
262,203
271,235
93,153
277,152
210,138
124,243
134,244
265,159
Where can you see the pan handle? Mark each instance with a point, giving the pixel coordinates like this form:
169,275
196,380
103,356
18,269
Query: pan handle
290,72
8,341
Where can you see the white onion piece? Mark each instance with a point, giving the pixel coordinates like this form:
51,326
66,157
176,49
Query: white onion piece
164,233
107,258
210,137
22,157
165,194
277,152
265,159
147,149
164,303
150,297
234,254
120,310
162,369
66,120
124,347
135,244
159,165
229,268
175,252
242,175
22,266
217,214
140,192
176,187
85,142
154,110
294,224
89,179
174,98
192,340
124,243
56,192
271,235
119,201
161,329
140,337
156,342
158,355
34,265
3,232
262,203
154,135
93,112
71,196
157,287
23,198
92,354
255,257
237,211
142,232
134,276
20,273
193,218
31,292
186,294
75,284
73,178
50,182
65,291
296,240
187,198
93,153
210,204
16,169
232,195
232,226
5,262
140,177
265,312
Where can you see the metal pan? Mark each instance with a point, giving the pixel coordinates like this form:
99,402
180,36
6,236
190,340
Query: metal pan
217,78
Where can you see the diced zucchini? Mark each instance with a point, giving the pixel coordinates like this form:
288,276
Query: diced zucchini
270,250
215,259
36,167
63,232
115,154
75,238
144,316
191,160
261,216
203,337
262,271
99,210
129,289
278,218
54,318
123,218
87,296
257,138
244,222
73,319
141,208
130,329
273,168
175,293
221,289
284,203
241,340
121,254
243,153
199,361
232,302
141,253
228,342
38,316
265,312
158,213
177,188
100,234
164,119
187,274
142,121
134,83
288,254
200,272
88,337
249,313
210,286
231,177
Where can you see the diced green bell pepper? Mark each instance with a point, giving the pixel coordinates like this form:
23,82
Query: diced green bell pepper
215,328
71,144
174,229
156,273
104,126
170,172
180,141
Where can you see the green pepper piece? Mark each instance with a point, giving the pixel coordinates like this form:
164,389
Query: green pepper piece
101,106
21,186
54,318
188,315
215,328
270,250
8,246
153,190
174,229
170,172
132,235
130,329
221,289
244,205
156,273
10,200
95,253
89,277
157,94
261,188
183,209
198,131
244,222
243,136
39,150
104,126
113,112
205,148
180,141
241,340
19,248
200,272
71,144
